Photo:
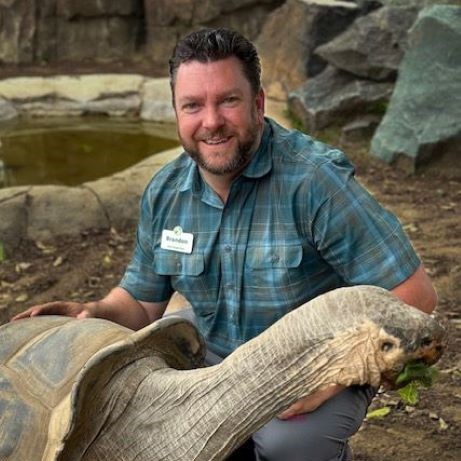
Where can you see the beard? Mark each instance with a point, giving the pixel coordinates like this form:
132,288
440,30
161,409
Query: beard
225,161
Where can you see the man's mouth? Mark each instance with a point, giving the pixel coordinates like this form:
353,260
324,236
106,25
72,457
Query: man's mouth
216,141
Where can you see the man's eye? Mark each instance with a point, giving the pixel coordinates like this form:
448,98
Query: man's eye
190,107
230,100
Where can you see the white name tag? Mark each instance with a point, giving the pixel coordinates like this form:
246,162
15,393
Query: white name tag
177,240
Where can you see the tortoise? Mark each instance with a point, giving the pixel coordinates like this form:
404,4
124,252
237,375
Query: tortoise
91,390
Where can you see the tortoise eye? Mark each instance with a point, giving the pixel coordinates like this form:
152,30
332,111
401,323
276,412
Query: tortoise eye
386,346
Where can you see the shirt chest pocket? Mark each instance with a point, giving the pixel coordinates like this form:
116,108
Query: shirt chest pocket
179,266
277,266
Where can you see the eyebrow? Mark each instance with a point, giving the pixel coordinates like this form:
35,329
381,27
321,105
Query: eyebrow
188,98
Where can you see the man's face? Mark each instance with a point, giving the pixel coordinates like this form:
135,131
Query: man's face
219,118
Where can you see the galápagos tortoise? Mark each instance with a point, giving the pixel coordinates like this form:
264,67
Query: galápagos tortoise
90,390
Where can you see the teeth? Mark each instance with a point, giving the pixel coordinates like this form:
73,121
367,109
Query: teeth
216,141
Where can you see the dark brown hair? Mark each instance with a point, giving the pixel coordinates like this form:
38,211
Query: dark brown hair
207,45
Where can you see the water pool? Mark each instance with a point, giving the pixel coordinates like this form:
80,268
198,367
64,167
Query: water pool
71,151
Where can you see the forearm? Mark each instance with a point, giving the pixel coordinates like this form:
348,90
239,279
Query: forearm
120,307
417,291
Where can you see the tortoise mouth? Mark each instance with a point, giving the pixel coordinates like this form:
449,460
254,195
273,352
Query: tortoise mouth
426,355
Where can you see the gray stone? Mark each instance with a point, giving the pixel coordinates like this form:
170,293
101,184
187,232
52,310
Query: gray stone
168,20
373,46
62,211
156,101
334,97
119,194
359,129
17,27
13,222
89,8
103,38
423,119
289,37
7,111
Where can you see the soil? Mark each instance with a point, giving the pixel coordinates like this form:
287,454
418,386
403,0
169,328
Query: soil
428,204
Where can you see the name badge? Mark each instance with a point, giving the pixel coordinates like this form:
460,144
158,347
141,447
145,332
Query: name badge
177,240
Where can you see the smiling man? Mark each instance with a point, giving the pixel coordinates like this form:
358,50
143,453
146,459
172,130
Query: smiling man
250,222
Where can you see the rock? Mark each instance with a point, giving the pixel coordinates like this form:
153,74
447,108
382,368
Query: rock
423,118
168,20
17,30
359,129
62,211
7,111
110,38
108,94
156,101
13,224
80,88
119,194
71,9
374,44
60,30
290,35
334,97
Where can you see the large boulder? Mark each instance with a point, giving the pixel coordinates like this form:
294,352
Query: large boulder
7,111
68,30
290,35
168,20
335,97
423,118
17,29
374,45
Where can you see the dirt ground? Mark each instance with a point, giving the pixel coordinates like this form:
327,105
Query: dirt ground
428,204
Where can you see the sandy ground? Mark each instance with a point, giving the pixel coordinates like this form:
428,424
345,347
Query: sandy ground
428,204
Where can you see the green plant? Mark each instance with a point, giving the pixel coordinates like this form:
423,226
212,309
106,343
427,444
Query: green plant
415,375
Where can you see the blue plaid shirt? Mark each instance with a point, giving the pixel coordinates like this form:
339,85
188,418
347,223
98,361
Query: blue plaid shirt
296,224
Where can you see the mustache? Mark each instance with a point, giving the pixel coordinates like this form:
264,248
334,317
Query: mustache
208,135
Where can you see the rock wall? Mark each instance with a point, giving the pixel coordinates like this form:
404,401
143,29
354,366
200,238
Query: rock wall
56,31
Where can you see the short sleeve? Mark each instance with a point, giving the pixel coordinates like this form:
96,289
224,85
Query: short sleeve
139,279
358,237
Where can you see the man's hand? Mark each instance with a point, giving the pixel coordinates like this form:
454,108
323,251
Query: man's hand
311,402
70,309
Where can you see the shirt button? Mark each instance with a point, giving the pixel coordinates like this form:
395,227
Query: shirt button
228,248
275,259
178,266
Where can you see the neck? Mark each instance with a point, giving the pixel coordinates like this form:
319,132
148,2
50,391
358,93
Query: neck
222,183
204,414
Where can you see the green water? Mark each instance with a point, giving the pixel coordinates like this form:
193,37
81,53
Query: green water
75,150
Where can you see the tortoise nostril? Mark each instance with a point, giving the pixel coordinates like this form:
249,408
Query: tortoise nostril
425,342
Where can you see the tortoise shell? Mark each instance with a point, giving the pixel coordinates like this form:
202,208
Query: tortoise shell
49,364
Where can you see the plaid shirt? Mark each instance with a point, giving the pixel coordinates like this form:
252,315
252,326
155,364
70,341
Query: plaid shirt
296,224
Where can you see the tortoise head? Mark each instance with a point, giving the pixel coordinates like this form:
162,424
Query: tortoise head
407,335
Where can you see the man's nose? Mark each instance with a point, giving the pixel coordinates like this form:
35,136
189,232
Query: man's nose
212,118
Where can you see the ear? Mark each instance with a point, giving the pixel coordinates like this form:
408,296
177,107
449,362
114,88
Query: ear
260,105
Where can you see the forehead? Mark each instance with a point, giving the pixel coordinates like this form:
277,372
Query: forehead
195,78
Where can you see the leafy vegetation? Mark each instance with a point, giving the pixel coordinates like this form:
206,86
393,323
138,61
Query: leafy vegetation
415,375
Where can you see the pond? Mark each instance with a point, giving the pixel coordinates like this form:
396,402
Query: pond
75,150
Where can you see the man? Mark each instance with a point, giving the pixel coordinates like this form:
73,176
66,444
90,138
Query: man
249,223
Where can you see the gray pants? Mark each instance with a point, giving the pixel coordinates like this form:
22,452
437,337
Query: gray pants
321,435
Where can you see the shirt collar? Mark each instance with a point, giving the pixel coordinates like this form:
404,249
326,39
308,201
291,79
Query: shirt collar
260,164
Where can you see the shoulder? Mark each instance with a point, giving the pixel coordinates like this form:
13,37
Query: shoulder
305,157
170,176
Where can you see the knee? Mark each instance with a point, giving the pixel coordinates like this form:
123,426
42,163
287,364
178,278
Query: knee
279,442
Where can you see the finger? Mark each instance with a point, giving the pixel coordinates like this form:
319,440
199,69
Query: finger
22,315
55,307
290,412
